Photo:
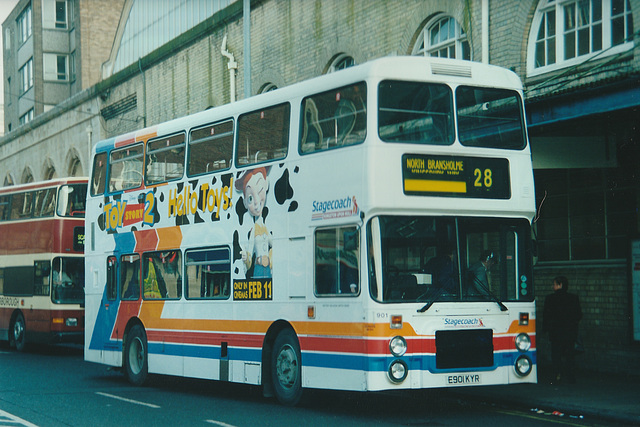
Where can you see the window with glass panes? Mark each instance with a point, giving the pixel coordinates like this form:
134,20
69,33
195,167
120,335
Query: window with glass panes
568,30
443,37
584,214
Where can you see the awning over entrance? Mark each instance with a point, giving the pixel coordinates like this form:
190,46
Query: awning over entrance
581,103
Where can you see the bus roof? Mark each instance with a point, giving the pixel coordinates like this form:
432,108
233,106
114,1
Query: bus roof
390,67
43,184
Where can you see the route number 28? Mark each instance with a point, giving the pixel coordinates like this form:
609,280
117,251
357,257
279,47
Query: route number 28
482,178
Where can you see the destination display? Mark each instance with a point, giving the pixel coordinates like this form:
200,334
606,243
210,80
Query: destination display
456,176
78,239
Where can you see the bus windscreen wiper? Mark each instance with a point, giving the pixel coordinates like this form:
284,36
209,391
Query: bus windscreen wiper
489,294
431,300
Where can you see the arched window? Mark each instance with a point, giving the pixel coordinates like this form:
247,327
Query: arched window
49,170
567,32
340,62
443,37
75,168
268,87
8,180
27,176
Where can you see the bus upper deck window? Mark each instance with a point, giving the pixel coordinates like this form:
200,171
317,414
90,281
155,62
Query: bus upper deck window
4,207
125,168
210,148
263,135
490,118
72,200
334,119
99,174
415,112
165,159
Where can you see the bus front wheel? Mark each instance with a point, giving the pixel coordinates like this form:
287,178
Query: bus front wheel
18,332
286,368
135,356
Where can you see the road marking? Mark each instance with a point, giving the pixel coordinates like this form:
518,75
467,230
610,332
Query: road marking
219,423
6,419
124,399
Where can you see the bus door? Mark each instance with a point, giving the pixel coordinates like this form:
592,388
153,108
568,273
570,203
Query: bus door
109,309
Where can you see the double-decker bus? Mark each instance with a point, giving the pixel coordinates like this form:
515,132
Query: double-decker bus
42,263
364,230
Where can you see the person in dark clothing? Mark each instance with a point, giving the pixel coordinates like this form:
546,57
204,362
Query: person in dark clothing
478,278
560,319
442,269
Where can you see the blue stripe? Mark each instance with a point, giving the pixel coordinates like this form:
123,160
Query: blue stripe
357,362
125,242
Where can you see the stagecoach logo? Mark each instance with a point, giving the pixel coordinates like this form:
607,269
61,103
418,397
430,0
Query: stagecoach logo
336,208
464,322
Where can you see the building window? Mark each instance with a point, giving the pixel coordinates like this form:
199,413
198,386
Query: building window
72,66
443,37
566,32
24,25
584,214
26,76
27,117
56,67
61,14
341,62
268,87
56,14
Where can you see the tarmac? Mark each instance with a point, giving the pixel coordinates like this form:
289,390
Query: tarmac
609,397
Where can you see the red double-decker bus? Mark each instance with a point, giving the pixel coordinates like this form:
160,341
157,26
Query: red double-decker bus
42,262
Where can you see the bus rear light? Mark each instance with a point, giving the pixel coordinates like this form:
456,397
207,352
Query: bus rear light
524,319
396,322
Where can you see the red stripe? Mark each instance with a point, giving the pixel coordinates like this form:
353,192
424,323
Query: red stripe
314,343
205,338
146,240
38,236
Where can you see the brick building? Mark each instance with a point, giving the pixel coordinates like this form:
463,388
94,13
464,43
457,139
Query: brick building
579,62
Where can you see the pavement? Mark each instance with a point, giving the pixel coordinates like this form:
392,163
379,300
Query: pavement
594,395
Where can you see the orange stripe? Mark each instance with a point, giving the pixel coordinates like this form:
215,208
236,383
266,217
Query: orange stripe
515,327
146,136
151,312
169,238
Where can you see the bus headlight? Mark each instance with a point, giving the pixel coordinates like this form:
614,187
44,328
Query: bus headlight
71,321
523,342
523,366
398,371
398,346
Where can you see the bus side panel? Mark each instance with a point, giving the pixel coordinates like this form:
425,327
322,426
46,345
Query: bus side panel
5,319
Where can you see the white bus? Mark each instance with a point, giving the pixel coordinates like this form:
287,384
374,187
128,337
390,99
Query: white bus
364,230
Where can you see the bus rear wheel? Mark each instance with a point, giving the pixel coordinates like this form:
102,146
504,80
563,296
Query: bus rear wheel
18,332
286,368
136,365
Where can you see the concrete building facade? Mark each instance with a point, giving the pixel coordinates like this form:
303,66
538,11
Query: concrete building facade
580,68
53,49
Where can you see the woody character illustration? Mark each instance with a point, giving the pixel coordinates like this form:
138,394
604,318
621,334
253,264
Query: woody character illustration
254,185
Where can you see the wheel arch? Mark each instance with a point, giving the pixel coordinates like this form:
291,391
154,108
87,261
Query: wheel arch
12,320
267,347
130,324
